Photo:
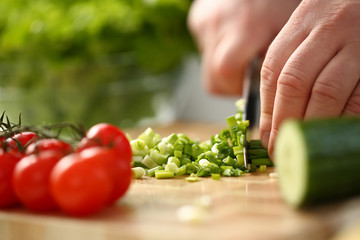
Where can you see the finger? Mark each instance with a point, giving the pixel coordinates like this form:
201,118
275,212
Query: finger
352,106
278,53
334,86
298,76
227,64
208,44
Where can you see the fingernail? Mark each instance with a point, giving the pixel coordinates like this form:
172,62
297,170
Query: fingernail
265,139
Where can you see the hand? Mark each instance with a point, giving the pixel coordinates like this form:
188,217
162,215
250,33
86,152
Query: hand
231,33
312,68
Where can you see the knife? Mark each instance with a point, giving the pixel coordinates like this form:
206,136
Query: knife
251,107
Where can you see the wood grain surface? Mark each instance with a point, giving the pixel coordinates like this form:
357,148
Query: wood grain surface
247,207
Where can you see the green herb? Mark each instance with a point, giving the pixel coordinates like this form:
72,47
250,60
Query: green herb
222,155
138,172
163,174
193,178
215,176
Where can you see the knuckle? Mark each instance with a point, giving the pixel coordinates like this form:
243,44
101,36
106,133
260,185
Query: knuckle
291,85
326,92
268,75
199,21
223,66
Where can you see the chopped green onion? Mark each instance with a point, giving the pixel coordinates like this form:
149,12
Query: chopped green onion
257,153
184,138
165,148
139,147
215,148
193,178
148,162
237,173
238,150
171,167
159,158
185,161
178,154
179,146
240,159
246,123
240,138
252,167
240,104
229,161
174,160
138,172
188,149
228,172
210,156
203,162
215,176
241,127
172,138
262,161
203,172
190,168
137,158
223,168
151,172
223,154
255,144
163,174
196,150
231,121
262,168
150,137
181,170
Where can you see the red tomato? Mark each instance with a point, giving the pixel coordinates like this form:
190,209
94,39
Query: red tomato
31,180
23,139
7,165
119,169
2,139
104,134
49,144
80,186
86,143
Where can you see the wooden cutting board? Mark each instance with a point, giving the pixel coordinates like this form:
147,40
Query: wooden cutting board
247,207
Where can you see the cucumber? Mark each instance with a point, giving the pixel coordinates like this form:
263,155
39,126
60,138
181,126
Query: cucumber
318,160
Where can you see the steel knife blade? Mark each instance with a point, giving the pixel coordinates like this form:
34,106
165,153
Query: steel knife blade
251,105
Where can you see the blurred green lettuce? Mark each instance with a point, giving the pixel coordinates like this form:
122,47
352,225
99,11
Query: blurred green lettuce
90,60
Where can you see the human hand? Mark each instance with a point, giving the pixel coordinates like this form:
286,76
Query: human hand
231,33
312,68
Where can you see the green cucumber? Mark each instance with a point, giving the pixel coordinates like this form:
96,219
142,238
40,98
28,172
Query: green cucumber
318,160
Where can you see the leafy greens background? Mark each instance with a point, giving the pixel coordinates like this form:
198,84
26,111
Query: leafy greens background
90,61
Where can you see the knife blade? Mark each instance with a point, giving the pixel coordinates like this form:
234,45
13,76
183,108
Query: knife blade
251,107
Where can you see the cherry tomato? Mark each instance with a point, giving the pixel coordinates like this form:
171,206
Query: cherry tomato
86,143
7,165
104,134
24,139
31,180
2,140
49,144
80,186
119,169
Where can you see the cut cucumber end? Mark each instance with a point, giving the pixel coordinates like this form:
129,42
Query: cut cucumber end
291,162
